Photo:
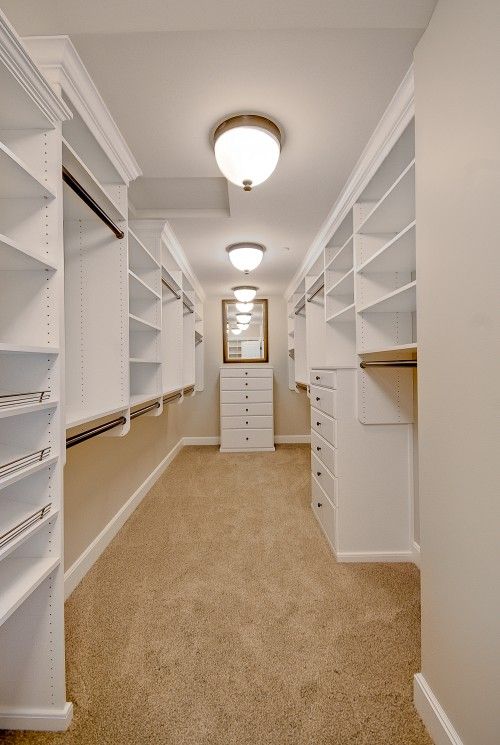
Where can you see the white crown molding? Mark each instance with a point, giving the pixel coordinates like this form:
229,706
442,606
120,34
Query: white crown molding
396,117
170,214
62,65
15,57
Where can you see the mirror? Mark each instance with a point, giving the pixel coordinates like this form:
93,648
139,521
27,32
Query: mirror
246,342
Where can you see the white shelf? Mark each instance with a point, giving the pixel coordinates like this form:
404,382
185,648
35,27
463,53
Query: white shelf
397,255
411,347
26,349
346,314
142,398
140,361
140,289
344,286
27,471
14,256
396,207
140,256
75,417
19,577
343,258
75,165
139,324
17,180
13,513
9,411
402,300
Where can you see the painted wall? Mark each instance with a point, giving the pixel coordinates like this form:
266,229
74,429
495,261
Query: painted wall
457,65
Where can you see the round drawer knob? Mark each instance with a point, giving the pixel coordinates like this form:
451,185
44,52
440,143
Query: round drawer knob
246,396
317,377
246,373
318,473
246,438
318,398
320,504
246,383
246,422
318,424
246,411
318,448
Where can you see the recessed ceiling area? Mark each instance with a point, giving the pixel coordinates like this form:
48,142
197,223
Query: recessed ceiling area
324,70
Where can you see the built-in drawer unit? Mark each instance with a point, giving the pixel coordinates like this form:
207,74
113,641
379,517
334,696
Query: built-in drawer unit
325,425
325,452
325,378
326,479
246,408
324,399
325,511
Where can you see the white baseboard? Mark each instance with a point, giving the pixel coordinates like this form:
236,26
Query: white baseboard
200,441
292,439
374,556
42,720
77,571
432,714
416,553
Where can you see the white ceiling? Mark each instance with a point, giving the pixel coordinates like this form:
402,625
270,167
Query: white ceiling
325,70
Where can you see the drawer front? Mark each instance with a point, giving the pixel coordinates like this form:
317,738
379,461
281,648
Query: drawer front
242,409
325,425
243,384
246,396
244,422
325,479
246,372
327,378
247,438
325,452
325,512
324,399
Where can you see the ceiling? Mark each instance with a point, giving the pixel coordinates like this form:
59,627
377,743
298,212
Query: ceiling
325,70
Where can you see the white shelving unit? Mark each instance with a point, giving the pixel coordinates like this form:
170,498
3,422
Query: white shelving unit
31,415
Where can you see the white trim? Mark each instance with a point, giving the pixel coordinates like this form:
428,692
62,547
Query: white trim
186,441
392,124
374,556
292,439
416,553
41,720
171,241
432,713
60,62
77,571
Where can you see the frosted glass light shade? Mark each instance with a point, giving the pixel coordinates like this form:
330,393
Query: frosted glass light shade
245,256
243,317
236,332
243,326
244,307
245,293
247,149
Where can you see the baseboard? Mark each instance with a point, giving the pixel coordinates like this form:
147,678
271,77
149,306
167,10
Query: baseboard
416,553
292,439
200,441
43,720
432,714
374,556
77,571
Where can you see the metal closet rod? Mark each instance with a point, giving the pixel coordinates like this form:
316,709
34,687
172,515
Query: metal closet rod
389,363
318,290
171,288
81,192
297,310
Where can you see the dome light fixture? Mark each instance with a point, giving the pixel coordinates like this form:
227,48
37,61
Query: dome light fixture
245,256
242,326
236,332
245,293
247,149
244,307
243,317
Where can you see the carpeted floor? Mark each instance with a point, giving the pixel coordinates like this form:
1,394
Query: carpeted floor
218,616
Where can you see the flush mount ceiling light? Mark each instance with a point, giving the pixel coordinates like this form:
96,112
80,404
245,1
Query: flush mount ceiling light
243,326
236,332
245,293
247,149
245,256
243,317
244,307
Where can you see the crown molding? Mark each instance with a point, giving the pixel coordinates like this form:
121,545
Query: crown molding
63,66
15,57
395,119
170,214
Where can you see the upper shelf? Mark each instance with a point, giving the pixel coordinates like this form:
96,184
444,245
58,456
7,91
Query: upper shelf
17,180
343,258
316,287
344,286
396,208
397,255
140,258
402,300
15,256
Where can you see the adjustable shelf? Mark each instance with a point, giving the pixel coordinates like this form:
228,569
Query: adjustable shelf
28,349
402,300
76,416
19,577
140,289
316,288
344,285
139,324
15,256
141,361
344,315
140,256
18,181
20,521
396,255
411,347
342,260
15,404
396,208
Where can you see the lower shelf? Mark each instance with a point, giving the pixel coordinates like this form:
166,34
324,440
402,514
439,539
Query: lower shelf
19,577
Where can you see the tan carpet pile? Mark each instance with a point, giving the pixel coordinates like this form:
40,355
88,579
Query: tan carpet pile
218,616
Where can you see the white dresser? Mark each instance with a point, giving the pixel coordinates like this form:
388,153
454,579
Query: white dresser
359,481
246,409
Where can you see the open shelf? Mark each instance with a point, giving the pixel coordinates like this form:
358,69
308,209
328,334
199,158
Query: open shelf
342,259
343,286
397,255
346,314
27,471
15,256
17,180
139,256
140,289
20,521
26,408
141,361
142,398
27,349
396,208
402,300
19,577
138,324
299,305
75,416
385,350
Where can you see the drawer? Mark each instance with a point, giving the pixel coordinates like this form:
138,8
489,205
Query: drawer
242,384
324,399
325,511
243,422
327,378
246,438
325,479
246,372
325,425
242,409
241,397
325,452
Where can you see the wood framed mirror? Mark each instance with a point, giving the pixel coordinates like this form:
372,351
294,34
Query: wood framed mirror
247,342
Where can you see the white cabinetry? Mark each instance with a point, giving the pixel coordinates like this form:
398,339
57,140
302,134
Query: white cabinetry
246,408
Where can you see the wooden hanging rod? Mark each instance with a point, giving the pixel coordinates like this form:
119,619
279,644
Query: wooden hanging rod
389,363
171,288
83,194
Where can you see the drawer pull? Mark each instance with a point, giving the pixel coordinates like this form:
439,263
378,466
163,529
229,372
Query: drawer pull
318,424
246,411
246,422
246,438
246,373
246,396
317,377
246,383
318,398
318,473
318,448
320,504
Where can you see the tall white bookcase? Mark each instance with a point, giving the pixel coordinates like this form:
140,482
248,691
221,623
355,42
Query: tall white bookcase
32,677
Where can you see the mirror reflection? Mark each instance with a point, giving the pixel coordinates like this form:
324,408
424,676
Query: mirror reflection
245,331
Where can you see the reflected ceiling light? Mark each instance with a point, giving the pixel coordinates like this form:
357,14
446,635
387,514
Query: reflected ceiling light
247,149
243,317
236,332
243,326
244,307
245,293
245,256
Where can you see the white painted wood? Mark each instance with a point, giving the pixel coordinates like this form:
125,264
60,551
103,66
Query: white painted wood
246,408
432,714
244,422
326,378
236,397
245,384
246,372
325,451
324,425
325,479
324,399
41,720
261,409
242,439
325,512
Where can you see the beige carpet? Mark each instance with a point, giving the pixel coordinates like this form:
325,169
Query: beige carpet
218,616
